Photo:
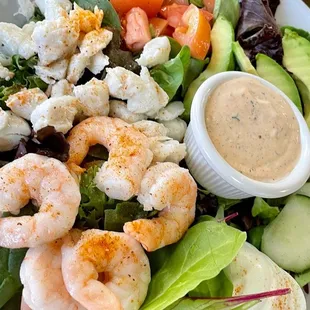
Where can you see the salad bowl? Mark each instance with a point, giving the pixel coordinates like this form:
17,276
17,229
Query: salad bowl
165,213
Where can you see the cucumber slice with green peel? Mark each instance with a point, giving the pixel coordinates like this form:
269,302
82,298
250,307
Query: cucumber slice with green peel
222,37
271,71
304,191
296,60
286,239
242,59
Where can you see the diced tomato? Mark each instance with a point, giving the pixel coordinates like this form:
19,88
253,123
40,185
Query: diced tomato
151,7
208,15
196,33
137,29
159,25
173,13
168,32
209,5
168,2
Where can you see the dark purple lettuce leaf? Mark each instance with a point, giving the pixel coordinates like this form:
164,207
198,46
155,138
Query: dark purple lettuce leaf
274,5
258,32
47,142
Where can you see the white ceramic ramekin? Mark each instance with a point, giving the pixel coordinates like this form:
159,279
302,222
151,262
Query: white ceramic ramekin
213,173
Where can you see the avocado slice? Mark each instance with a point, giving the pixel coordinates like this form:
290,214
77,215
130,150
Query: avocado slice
242,59
222,37
286,239
230,9
296,60
271,71
305,96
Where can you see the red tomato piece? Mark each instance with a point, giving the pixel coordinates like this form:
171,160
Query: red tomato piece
173,13
137,29
151,7
159,25
196,32
209,5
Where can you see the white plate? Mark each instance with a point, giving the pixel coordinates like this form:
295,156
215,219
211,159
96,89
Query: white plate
290,12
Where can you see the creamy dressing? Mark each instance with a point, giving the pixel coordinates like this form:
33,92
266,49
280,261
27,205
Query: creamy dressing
254,129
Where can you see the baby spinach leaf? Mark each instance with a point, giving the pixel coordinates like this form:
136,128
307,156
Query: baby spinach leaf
205,250
262,210
10,261
175,48
14,302
205,304
170,75
218,286
159,257
110,17
255,236
124,212
195,67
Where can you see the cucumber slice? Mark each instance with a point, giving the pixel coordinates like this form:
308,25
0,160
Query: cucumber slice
305,190
271,71
242,59
296,60
286,239
222,37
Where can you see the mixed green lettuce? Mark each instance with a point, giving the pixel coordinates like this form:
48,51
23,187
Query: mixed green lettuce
206,249
24,76
97,210
110,17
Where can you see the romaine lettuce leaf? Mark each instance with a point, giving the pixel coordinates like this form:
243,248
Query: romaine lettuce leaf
205,250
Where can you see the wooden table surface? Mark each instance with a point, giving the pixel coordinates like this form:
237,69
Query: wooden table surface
307,2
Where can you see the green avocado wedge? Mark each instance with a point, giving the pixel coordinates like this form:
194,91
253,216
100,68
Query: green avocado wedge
222,37
242,59
271,71
296,60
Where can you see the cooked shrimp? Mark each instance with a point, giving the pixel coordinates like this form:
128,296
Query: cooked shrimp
120,177
48,182
41,276
105,270
171,189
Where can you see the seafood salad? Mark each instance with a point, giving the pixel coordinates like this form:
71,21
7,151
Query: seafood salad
101,203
